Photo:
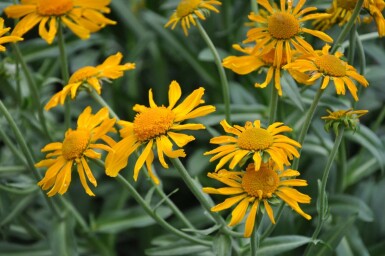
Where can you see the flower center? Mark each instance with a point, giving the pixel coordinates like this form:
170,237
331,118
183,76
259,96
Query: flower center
269,57
331,65
255,139
54,7
187,7
282,25
261,184
75,143
153,122
347,4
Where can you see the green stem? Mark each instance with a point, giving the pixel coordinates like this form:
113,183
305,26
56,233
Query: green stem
99,99
254,6
273,104
341,174
322,199
348,26
221,70
255,237
197,191
352,45
201,197
307,122
361,38
156,217
27,154
64,72
33,88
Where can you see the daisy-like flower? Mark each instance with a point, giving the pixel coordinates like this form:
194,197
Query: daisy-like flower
342,10
90,77
252,140
253,62
6,39
322,64
157,127
348,118
282,29
187,10
257,189
78,146
82,17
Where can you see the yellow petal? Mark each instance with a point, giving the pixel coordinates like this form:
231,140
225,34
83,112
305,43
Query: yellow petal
239,212
142,158
250,221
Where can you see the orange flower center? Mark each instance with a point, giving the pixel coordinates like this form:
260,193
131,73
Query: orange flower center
75,143
347,4
269,57
282,25
54,7
153,122
187,7
331,65
261,184
255,139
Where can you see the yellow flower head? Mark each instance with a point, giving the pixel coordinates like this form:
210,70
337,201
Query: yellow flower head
78,146
342,10
90,76
252,140
349,118
330,67
157,127
252,188
6,39
188,9
82,17
282,29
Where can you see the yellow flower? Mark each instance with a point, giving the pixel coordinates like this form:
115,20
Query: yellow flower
90,76
82,17
342,10
188,9
349,118
252,62
78,146
252,140
254,188
330,67
6,39
156,127
282,29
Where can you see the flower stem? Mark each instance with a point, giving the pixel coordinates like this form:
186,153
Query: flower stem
201,197
28,155
221,70
254,6
348,26
99,99
34,90
64,72
273,105
155,216
307,122
255,237
322,199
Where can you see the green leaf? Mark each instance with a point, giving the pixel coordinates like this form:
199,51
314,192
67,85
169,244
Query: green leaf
177,249
131,218
360,167
348,205
18,207
38,249
280,244
222,245
332,238
369,140
290,89
62,237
